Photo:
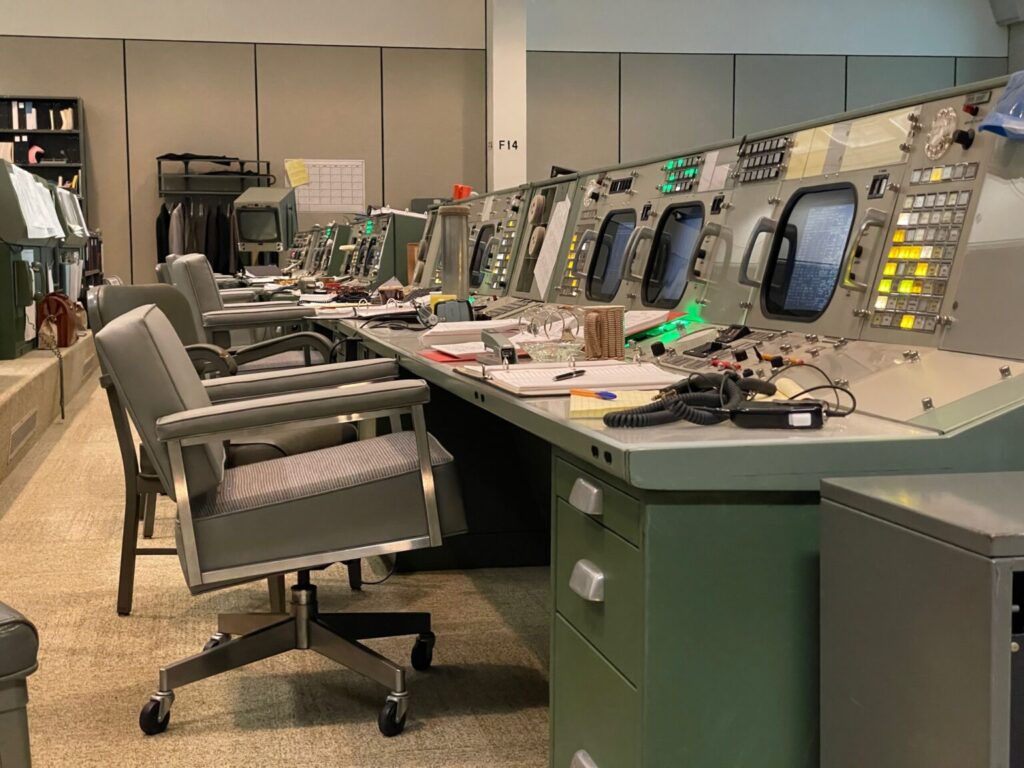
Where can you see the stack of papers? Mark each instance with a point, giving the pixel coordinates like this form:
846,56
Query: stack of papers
462,331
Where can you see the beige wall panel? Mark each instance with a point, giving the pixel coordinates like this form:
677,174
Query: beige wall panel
182,97
320,103
572,111
673,102
434,123
93,70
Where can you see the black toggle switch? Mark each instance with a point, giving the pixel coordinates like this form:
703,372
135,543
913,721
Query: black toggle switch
964,138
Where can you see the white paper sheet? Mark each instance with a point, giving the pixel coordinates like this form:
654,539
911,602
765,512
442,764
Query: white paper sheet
545,267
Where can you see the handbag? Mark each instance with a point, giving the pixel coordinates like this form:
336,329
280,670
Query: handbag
57,319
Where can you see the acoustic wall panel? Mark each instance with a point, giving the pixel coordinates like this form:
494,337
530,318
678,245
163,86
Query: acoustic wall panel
93,70
572,111
772,91
971,69
876,79
435,110
674,101
320,102
182,97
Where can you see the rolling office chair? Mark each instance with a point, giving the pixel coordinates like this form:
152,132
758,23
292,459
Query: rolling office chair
142,485
232,290
194,276
382,495
19,647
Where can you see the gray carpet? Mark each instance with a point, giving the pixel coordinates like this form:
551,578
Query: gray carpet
483,704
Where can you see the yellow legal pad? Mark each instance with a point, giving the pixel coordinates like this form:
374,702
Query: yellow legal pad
581,407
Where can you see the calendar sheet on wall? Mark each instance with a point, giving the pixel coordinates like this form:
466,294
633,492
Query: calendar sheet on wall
334,185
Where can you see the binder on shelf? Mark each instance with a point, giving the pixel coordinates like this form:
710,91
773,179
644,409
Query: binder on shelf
31,121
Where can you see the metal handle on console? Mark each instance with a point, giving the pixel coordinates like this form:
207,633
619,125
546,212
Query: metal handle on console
587,581
764,226
582,759
636,237
586,497
873,218
711,230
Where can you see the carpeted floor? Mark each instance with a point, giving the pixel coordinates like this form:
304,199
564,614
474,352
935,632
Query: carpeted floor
483,704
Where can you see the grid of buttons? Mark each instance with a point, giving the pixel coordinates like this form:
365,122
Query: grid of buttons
920,258
497,265
575,265
940,173
760,160
681,174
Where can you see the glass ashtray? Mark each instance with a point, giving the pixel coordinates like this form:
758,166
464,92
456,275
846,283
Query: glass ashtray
549,351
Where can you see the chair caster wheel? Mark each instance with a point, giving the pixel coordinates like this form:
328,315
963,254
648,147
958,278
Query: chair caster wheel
217,638
423,652
149,718
388,721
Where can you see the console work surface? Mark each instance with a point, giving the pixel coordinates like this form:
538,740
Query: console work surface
484,702
682,456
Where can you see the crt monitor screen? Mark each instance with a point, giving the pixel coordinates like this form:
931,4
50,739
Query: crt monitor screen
808,252
258,225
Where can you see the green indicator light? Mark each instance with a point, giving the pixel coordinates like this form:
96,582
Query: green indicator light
673,176
670,165
666,187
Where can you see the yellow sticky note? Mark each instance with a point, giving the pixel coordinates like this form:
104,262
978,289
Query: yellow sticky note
298,173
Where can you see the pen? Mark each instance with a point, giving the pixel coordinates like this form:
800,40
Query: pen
570,375
601,395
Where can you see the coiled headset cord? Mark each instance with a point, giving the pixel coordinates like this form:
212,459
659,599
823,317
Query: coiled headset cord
703,399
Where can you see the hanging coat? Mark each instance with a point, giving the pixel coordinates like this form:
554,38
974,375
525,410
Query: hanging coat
163,223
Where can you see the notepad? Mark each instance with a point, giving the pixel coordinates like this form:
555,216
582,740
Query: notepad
581,407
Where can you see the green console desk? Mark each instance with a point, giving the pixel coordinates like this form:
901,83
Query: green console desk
685,565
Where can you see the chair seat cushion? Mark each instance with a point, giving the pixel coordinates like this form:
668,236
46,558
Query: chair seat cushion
19,644
353,495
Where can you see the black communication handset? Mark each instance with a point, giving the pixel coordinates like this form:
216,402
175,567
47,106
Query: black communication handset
732,333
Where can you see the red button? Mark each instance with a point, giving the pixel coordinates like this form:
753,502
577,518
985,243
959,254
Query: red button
971,109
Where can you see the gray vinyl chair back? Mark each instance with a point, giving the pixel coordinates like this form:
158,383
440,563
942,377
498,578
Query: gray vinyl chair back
163,274
106,302
153,376
193,276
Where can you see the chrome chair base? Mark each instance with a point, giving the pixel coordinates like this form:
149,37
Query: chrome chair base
243,638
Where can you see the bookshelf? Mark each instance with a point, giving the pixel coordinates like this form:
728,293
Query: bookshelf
45,135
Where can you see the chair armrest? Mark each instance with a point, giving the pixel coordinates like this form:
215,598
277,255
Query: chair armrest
238,296
253,316
356,400
315,342
263,384
209,358
227,281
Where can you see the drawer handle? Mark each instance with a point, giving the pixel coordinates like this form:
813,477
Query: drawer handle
587,581
582,759
586,497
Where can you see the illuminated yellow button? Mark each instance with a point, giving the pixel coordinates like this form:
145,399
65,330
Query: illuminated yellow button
884,286
575,238
899,236
574,282
569,264
890,268
907,322
921,270
936,174
894,252
512,223
915,252
906,286
917,287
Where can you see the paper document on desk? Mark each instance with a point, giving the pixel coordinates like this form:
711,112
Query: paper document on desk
637,320
317,298
583,407
466,330
538,379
